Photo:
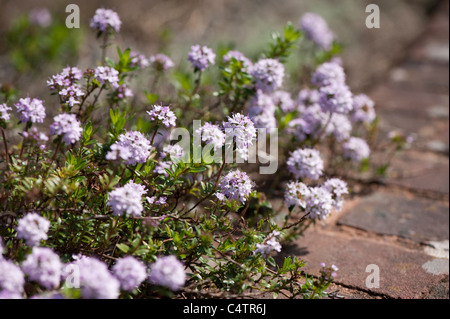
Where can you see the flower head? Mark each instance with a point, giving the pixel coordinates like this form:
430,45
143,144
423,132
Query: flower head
239,56
295,194
107,75
284,101
212,134
316,29
162,114
4,115
328,73
33,228
161,62
305,163
243,131
12,278
30,110
356,149
127,200
319,203
201,57
168,272
105,20
130,272
132,147
68,126
236,185
138,60
262,111
268,74
363,109
337,188
44,267
336,98
269,244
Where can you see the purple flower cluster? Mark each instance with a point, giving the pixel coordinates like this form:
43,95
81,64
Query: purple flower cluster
236,185
243,131
363,109
71,95
201,57
239,56
212,135
30,110
336,98
69,76
284,101
168,272
40,17
138,60
327,74
262,111
161,62
12,280
130,272
32,228
105,20
127,200
337,188
4,115
131,147
339,126
305,163
295,194
44,267
107,75
356,149
268,75
162,114
68,126
269,244
316,29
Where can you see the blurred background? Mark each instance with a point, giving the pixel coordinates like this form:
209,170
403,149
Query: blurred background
171,26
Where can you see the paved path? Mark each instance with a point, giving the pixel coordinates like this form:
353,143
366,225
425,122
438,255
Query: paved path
402,227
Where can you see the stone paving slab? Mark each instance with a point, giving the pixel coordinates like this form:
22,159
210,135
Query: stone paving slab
422,171
401,271
420,220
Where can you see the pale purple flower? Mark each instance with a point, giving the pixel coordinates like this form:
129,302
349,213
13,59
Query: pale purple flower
284,101
262,111
5,294
4,115
327,74
212,135
356,149
162,114
236,185
336,98
363,109
306,98
40,17
316,29
130,272
127,200
138,60
68,127
339,126
239,56
161,62
107,75
105,19
309,123
319,203
305,163
30,110
96,282
295,194
268,75
201,57
243,131
269,244
32,228
71,95
162,166
338,188
175,152
12,278
157,201
168,272
68,76
123,92
44,267
132,147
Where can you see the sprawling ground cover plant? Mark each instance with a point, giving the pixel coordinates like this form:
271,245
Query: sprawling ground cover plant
104,200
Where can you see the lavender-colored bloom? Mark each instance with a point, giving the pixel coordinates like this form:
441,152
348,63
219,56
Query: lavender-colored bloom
246,63
44,267
336,98
268,75
68,76
236,185
71,95
339,126
12,278
123,92
269,244
337,188
96,282
157,201
243,131
130,272
168,272
4,115
319,203
127,200
162,166
175,152
40,17
107,75
356,149
201,57
363,109
162,114
306,98
327,74
5,294
212,134
316,29
310,122
68,126
305,163
30,110
105,19
33,228
132,147
295,194
138,60
161,62
262,111
284,101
